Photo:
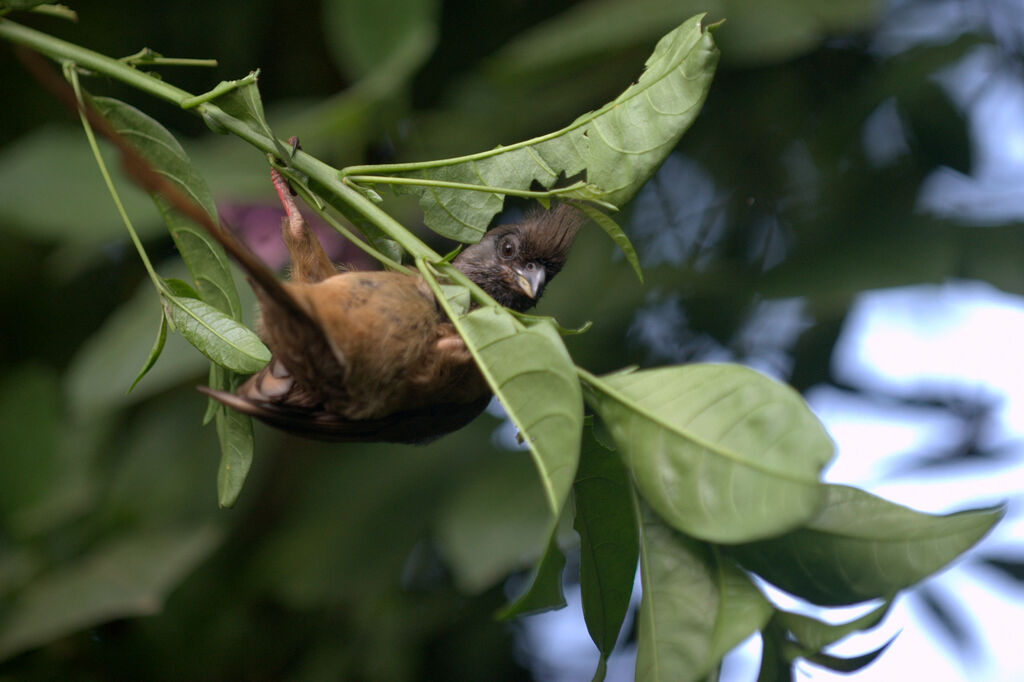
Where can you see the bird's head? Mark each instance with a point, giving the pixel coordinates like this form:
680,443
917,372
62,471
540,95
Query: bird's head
513,263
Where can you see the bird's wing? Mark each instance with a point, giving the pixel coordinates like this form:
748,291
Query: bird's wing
417,427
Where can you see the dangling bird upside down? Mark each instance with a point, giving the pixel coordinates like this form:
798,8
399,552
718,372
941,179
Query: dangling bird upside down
370,355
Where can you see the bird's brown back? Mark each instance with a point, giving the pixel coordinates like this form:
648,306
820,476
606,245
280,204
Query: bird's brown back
386,346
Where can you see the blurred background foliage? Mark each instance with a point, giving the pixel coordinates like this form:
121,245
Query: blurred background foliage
799,187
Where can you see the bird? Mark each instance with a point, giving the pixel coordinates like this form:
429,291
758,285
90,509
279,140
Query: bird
366,356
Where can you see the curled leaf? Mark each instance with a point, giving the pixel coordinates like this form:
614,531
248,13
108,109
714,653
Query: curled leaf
154,353
619,146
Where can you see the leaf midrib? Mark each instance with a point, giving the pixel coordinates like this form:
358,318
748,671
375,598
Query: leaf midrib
628,402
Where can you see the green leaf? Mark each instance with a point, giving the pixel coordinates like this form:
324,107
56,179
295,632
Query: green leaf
775,665
458,298
862,547
613,230
608,542
180,288
128,577
531,373
564,331
696,605
154,353
815,635
235,433
216,335
721,452
217,378
241,99
849,665
204,257
544,589
619,145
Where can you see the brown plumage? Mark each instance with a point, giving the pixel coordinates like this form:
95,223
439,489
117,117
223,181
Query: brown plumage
370,356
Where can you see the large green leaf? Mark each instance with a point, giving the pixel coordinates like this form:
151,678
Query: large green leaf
235,433
608,543
204,257
215,334
128,577
696,605
862,547
619,146
226,342
531,373
721,452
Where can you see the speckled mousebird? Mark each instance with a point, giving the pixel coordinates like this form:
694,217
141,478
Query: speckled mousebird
369,355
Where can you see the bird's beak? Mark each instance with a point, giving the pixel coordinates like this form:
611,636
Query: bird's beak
530,282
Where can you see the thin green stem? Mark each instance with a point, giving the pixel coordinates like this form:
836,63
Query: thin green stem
147,56
178,61
424,182
328,177
222,88
457,276
589,378
437,163
61,50
72,74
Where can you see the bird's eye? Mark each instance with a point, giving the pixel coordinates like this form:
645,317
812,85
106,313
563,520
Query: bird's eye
507,248
531,266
